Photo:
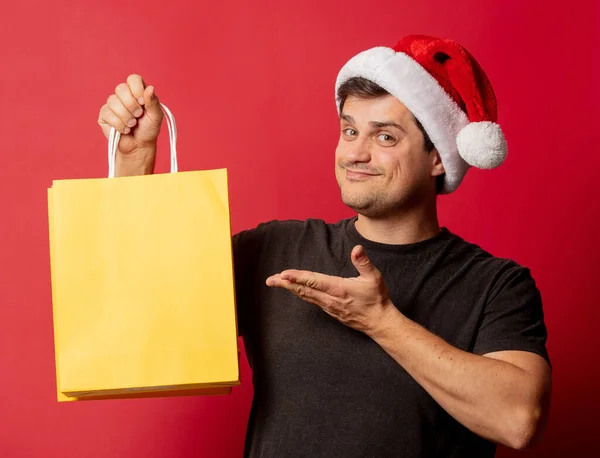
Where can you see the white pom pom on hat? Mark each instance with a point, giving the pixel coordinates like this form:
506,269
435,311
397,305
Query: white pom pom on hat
447,91
482,144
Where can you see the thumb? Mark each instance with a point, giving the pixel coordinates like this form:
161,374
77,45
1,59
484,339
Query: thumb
362,262
151,103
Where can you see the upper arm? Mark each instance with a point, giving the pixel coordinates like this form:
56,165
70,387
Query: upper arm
244,246
512,321
248,247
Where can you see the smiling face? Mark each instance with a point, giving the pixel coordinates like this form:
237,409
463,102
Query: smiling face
382,166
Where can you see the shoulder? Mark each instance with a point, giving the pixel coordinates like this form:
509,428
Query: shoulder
288,230
496,272
281,239
512,313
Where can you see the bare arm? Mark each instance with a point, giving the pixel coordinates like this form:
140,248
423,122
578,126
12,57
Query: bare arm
502,396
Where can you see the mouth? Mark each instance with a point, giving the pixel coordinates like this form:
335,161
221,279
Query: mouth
356,175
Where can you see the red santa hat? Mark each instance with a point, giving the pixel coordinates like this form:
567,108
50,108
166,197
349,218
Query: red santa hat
445,88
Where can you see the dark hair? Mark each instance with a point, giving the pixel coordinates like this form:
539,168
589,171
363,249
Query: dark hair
363,88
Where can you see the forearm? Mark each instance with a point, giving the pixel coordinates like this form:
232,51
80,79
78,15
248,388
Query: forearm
494,399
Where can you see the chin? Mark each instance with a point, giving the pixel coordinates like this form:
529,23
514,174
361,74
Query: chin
378,204
366,205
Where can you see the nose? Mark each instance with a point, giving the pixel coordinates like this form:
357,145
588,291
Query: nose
358,151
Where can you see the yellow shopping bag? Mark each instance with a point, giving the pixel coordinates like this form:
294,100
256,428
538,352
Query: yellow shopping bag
142,283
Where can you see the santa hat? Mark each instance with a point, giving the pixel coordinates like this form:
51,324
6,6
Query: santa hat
447,91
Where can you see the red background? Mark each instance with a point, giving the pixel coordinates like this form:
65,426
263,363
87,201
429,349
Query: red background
251,87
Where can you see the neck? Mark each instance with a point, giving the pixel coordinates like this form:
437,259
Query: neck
402,227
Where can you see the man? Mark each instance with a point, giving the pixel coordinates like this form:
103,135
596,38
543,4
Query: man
391,336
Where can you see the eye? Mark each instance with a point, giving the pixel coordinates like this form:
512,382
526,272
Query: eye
349,131
386,138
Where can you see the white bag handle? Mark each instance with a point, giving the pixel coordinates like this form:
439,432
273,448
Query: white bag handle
115,136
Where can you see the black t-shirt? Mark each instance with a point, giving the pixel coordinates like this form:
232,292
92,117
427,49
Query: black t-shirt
322,389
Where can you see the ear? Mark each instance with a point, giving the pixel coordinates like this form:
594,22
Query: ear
437,168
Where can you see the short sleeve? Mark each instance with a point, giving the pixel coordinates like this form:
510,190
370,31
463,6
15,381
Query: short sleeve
245,247
513,318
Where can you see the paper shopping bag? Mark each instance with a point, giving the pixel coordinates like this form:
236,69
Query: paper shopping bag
142,284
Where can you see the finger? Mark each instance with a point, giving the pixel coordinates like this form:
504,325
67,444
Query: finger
321,282
128,100
362,262
136,86
117,107
305,293
152,104
108,119
272,280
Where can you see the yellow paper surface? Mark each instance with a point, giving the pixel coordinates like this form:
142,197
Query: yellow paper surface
142,280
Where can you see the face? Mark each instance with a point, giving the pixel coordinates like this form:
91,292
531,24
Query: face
381,164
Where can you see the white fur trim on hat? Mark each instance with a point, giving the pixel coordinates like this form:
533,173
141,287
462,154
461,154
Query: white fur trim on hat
410,83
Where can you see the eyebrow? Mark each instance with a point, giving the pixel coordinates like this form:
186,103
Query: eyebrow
378,124
347,118
381,125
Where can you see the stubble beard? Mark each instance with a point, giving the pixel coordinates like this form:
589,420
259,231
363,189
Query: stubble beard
376,203
373,204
